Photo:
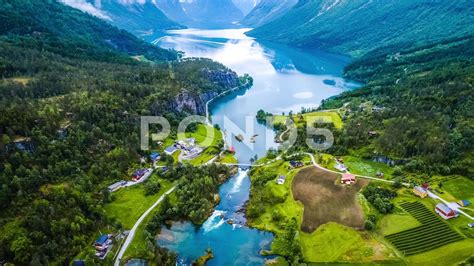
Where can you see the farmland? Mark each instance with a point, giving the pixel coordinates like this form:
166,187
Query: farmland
324,201
313,117
431,234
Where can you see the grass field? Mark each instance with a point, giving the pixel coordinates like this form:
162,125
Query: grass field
431,234
201,135
366,167
394,223
227,158
22,80
311,118
325,201
334,242
461,188
131,202
289,208
331,242
450,254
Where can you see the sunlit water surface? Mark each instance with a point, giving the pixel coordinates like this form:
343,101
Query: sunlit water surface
285,79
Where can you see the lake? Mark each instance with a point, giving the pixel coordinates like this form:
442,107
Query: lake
285,79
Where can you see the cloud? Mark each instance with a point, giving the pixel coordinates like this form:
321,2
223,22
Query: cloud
87,7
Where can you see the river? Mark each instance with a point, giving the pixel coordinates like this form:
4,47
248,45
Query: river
285,79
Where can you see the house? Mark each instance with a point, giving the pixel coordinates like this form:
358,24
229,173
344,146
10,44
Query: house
281,180
193,153
295,164
348,179
471,225
231,149
420,192
62,132
102,243
116,186
372,133
425,186
378,108
464,203
21,144
170,150
340,166
445,212
138,174
154,156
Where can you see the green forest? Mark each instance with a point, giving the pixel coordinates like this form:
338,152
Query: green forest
418,101
71,101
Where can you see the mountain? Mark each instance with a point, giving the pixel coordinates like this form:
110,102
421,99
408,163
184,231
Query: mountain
266,11
71,98
70,32
358,26
245,5
173,10
419,101
136,16
212,13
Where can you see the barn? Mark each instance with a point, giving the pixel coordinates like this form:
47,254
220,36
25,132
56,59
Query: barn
444,211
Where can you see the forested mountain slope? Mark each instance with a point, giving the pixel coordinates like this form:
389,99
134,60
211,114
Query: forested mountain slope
419,102
358,26
267,11
139,17
67,31
70,102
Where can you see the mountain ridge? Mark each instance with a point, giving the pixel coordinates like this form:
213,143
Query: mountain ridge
324,24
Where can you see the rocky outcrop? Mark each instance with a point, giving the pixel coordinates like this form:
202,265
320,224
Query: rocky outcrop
195,103
188,102
226,79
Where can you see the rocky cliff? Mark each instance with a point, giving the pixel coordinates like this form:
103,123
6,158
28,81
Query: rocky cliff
195,102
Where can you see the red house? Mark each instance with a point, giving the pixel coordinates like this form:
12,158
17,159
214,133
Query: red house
445,212
137,175
348,179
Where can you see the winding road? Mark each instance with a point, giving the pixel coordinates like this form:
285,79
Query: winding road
131,234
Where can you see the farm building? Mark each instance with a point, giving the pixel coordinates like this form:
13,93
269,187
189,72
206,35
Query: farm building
444,211
103,242
281,180
340,166
464,203
420,192
348,179
116,186
154,156
137,175
295,164
170,150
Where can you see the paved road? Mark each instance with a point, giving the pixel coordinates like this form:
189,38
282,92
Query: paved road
219,95
130,236
143,179
453,206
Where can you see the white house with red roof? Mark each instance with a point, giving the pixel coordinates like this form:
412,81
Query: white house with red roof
444,211
348,179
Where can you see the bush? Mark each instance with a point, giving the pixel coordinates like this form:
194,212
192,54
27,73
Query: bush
152,187
369,225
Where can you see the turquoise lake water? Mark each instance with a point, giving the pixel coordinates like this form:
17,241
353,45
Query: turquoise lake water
285,79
